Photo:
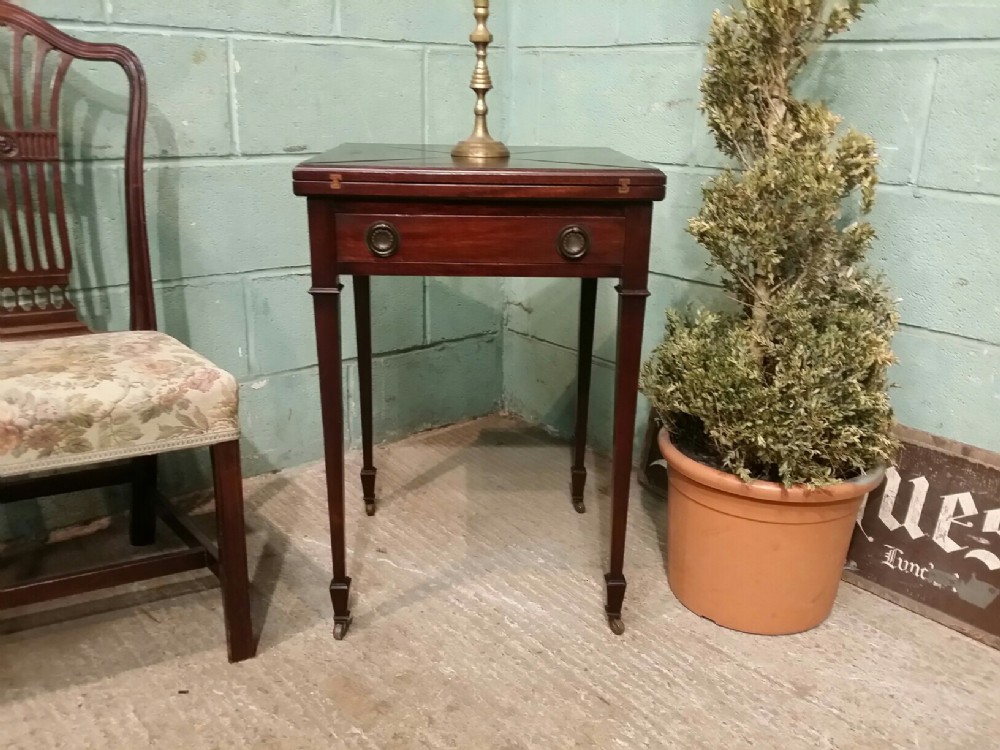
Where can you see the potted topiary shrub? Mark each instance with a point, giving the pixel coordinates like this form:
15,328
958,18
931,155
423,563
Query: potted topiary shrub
776,416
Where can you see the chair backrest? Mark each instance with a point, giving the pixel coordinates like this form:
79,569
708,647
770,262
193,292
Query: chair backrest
35,253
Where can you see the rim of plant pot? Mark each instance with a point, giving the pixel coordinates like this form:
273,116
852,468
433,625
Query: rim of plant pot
759,489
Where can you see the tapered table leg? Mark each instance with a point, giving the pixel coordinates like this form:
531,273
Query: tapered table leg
585,348
631,311
326,302
363,322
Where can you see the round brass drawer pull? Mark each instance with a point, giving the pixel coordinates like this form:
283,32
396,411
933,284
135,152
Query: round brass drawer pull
382,239
574,242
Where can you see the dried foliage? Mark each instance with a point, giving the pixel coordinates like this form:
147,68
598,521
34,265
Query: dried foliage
793,388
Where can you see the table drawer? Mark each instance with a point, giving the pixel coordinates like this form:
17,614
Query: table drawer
544,240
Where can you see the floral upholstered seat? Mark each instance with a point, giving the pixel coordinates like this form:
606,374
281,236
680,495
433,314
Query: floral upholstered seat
84,399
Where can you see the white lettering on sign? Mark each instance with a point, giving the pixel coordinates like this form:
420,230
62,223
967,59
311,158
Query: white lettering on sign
955,510
991,524
916,506
986,557
947,517
978,593
892,480
894,558
917,498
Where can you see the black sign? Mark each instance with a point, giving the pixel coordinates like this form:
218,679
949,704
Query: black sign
929,537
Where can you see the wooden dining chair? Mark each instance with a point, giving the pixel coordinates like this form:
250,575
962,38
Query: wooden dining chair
78,409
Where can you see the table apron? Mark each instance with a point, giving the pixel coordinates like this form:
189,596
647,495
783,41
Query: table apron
484,240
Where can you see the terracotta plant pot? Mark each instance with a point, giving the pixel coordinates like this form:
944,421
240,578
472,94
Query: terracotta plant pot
758,557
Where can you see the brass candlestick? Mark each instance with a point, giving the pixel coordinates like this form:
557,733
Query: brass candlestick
481,145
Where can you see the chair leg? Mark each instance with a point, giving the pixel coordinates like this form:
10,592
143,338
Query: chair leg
142,517
232,550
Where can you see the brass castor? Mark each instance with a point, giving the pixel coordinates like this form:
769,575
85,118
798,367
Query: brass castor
616,624
340,629
579,506
370,507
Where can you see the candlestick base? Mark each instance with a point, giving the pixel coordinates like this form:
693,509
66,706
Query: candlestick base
479,147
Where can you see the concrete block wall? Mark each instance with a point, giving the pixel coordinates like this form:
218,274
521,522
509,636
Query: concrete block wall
241,91
922,76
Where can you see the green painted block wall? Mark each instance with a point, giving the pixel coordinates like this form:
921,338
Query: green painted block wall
923,76
241,91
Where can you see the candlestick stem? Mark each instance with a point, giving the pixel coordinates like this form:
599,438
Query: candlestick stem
481,145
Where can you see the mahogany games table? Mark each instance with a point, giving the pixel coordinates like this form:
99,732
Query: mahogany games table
401,210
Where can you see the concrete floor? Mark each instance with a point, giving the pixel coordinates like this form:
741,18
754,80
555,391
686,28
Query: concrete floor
478,624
